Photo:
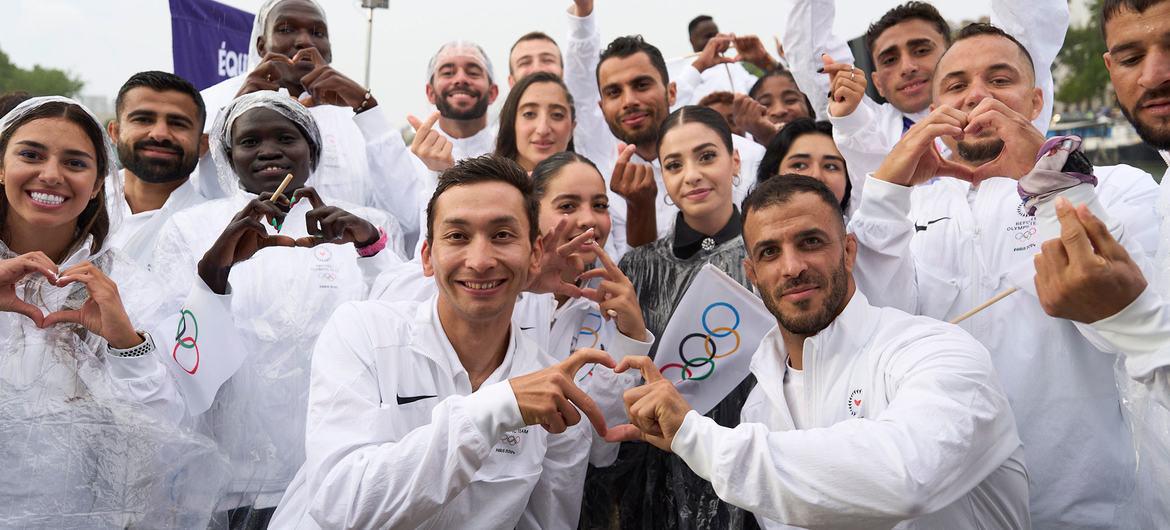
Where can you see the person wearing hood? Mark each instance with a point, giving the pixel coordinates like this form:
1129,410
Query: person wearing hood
275,285
363,159
89,416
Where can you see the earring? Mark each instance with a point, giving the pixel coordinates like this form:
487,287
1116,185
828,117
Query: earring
735,181
667,200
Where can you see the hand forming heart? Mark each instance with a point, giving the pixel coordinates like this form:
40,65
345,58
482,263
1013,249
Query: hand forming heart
12,271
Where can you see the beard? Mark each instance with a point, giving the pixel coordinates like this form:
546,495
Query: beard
980,151
1157,137
451,113
810,324
644,136
157,171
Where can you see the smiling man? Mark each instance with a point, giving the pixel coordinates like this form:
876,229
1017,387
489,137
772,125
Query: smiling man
938,236
159,138
460,84
426,414
904,44
839,378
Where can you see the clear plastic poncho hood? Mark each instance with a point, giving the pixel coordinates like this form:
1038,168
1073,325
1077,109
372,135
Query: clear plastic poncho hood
221,132
81,447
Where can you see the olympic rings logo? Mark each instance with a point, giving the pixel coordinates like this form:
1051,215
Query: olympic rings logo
594,332
510,439
182,340
712,339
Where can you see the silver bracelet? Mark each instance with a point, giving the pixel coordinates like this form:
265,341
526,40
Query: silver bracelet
146,347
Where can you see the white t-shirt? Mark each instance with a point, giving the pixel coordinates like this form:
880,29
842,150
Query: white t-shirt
794,395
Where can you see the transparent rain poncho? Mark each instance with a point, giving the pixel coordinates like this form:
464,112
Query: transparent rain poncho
280,299
80,446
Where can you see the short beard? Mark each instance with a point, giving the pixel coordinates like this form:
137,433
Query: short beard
1156,138
156,172
980,151
476,112
812,324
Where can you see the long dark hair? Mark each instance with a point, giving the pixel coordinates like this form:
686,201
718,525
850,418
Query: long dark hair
506,138
94,220
780,145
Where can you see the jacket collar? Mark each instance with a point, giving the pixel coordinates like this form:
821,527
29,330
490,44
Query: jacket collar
430,340
847,335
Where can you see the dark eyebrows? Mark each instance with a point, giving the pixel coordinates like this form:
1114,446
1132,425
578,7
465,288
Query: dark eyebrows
500,220
1003,67
762,244
43,147
817,232
1124,47
701,147
919,42
567,196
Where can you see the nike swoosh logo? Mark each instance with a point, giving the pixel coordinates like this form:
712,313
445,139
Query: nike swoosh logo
522,328
920,228
402,400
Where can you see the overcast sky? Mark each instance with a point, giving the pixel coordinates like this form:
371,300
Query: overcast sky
106,41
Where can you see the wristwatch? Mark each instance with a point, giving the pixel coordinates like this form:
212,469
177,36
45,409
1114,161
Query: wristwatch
146,347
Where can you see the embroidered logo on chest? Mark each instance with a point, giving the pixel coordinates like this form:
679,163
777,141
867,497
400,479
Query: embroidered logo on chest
854,403
512,442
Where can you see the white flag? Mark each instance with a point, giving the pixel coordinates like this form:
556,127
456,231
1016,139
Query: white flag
707,347
206,348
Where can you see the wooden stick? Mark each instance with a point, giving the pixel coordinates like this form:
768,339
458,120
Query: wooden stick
984,305
280,189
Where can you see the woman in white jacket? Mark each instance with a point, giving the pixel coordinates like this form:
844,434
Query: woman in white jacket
279,296
87,410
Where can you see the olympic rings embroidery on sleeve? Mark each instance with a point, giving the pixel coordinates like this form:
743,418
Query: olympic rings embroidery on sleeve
595,332
182,340
710,346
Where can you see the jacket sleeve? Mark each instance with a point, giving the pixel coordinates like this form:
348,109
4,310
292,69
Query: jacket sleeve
885,263
947,427
1040,26
556,500
1141,332
807,34
360,474
398,176
591,136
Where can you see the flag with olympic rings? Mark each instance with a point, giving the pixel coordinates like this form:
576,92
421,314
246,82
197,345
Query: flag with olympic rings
707,347
204,350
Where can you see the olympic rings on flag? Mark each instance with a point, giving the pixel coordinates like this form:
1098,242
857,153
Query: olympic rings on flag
182,340
710,345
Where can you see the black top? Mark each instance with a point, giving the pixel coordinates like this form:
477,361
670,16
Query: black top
688,241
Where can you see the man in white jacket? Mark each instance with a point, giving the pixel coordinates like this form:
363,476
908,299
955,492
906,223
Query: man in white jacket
938,236
454,447
1086,275
159,138
363,161
905,44
864,417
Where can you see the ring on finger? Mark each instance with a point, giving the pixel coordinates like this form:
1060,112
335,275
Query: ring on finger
852,73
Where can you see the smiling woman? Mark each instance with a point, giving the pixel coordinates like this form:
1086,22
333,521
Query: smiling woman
80,380
537,120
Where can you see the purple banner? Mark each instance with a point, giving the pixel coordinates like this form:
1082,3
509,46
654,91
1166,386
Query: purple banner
209,41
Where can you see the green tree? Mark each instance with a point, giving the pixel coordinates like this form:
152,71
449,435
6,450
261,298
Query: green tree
38,81
1085,76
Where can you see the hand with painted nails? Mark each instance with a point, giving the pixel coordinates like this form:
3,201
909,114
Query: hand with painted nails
616,297
560,263
330,224
429,146
15,269
1085,275
549,398
102,313
243,238
656,409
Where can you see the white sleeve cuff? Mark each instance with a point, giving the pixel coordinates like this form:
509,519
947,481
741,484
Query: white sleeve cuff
884,200
694,443
494,410
582,28
127,368
622,346
374,124
853,123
